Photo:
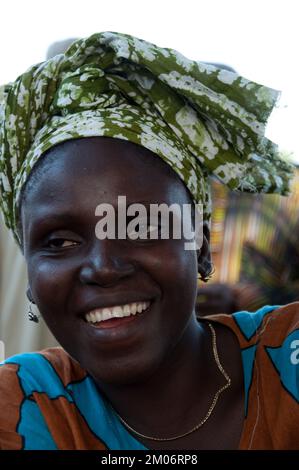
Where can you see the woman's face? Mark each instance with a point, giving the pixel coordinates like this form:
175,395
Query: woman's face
72,272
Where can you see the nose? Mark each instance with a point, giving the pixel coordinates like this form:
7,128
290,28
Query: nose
105,264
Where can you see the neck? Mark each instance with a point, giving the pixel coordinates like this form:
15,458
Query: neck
163,402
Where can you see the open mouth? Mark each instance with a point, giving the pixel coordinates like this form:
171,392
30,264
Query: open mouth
110,317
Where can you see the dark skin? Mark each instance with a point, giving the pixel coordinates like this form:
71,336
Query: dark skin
158,372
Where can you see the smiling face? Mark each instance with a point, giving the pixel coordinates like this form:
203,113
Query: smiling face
71,272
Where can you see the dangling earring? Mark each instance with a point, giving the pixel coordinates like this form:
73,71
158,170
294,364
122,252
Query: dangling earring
32,316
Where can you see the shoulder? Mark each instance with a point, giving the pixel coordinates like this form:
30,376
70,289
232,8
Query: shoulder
271,323
25,382
38,368
269,346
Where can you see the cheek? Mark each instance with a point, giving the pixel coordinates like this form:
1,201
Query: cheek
182,278
174,269
50,283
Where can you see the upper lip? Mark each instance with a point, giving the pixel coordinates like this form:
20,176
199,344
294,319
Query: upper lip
94,304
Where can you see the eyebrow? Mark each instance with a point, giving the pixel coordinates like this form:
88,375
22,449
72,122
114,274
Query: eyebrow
45,220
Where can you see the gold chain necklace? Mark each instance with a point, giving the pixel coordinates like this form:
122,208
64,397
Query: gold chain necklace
210,410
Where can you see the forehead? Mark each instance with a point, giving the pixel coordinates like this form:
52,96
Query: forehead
97,170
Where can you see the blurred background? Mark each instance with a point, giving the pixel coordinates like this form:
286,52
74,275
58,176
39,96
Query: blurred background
259,39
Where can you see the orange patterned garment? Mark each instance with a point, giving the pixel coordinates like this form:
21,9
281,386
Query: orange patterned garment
48,402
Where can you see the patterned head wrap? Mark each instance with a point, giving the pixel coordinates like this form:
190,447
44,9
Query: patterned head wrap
198,118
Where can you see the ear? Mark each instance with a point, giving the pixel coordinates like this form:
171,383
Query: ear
204,256
29,295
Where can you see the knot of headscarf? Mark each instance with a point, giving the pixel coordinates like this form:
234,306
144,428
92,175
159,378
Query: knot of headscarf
198,118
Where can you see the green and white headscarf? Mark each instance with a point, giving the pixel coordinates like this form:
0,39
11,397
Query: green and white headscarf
198,118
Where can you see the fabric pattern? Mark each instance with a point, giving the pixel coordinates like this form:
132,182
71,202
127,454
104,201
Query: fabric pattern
198,118
49,402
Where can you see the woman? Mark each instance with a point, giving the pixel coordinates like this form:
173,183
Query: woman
119,116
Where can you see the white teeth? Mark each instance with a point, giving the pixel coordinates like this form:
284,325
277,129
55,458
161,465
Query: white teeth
133,309
139,308
88,317
117,311
106,314
126,310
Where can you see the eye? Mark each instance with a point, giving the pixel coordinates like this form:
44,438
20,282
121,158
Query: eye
61,243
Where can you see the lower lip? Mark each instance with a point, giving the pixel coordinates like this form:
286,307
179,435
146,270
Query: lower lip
117,322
